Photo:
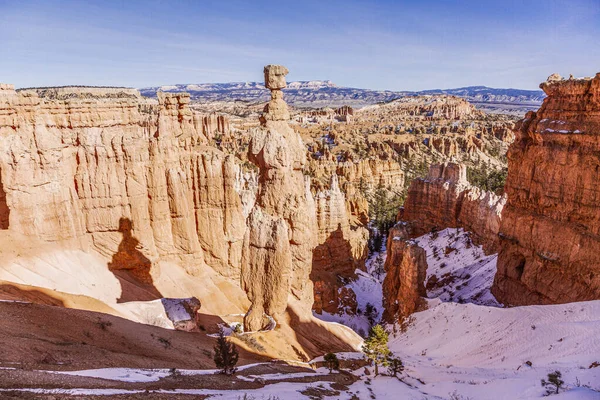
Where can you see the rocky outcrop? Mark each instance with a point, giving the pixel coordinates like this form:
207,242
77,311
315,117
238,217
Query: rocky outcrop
445,199
356,179
341,250
135,185
182,312
132,178
406,269
215,124
366,174
434,107
281,227
550,231
455,146
345,110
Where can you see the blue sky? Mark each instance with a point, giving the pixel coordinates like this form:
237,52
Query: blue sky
396,45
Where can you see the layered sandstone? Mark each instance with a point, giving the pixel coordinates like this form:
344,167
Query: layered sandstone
281,226
445,199
406,269
550,231
134,185
214,125
104,167
356,178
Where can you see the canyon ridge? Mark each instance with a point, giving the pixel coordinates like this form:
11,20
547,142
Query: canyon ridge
141,230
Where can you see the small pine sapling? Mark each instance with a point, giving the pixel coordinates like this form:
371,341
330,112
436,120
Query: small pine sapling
332,362
554,383
395,366
226,355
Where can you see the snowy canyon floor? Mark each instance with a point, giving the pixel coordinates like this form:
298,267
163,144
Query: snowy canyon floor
464,346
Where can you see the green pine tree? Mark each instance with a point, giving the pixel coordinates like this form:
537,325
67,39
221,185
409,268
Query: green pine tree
226,355
376,347
395,365
384,204
332,362
554,383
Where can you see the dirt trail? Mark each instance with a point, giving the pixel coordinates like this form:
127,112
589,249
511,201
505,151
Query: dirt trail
48,385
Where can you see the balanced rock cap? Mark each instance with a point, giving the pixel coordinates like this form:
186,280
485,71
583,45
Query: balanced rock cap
275,77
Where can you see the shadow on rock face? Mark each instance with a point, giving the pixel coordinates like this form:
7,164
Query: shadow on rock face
14,292
315,338
132,268
333,266
4,210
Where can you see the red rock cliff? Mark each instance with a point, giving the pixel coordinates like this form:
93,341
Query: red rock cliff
551,224
445,199
406,269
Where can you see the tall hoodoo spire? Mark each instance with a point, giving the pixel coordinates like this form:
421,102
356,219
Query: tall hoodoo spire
276,109
281,227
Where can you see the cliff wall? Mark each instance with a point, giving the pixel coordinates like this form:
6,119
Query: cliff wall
136,180
103,166
341,250
550,231
445,199
406,269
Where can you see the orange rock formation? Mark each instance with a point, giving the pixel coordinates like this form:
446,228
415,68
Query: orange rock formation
342,248
406,269
445,199
76,162
281,227
550,231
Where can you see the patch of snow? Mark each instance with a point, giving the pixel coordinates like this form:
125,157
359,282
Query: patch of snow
283,376
229,329
176,310
451,255
346,355
141,374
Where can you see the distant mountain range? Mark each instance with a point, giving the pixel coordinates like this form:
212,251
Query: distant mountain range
326,93
485,94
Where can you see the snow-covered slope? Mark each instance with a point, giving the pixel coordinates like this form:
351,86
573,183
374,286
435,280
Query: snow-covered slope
469,335
465,346
462,271
368,290
468,351
457,270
